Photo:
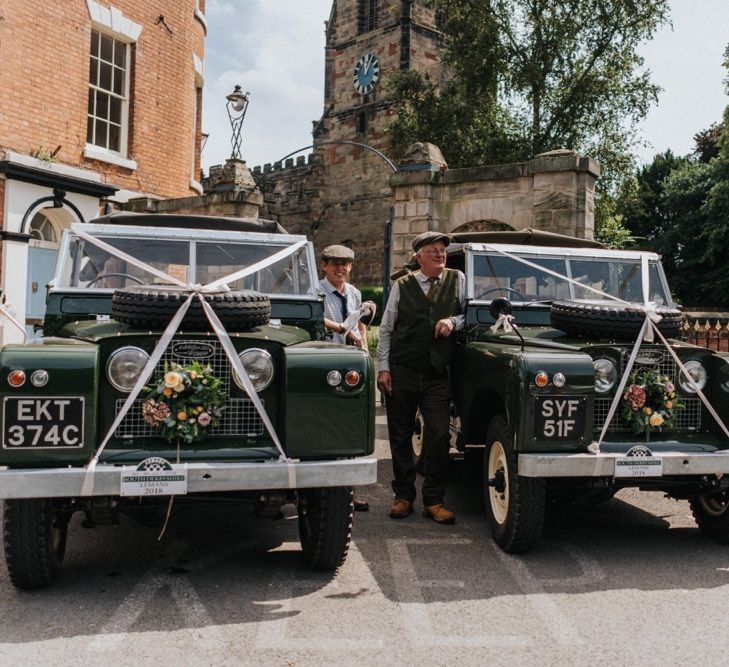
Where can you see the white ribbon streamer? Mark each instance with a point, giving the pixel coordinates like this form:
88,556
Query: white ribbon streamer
198,291
6,313
647,333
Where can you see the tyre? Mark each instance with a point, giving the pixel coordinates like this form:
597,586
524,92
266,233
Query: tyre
325,525
711,512
514,505
35,542
609,319
153,306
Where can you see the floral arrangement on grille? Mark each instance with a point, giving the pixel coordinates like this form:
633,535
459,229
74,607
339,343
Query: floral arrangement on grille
184,403
650,402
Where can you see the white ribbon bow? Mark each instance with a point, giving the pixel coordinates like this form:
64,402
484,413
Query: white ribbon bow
647,333
504,322
196,291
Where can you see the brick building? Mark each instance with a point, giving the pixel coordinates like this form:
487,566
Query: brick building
101,103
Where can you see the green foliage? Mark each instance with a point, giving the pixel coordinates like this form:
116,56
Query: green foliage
528,76
371,293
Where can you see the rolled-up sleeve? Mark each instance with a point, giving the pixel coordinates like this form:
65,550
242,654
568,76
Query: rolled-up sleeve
387,325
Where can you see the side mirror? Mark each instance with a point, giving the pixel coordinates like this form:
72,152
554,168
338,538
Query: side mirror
500,306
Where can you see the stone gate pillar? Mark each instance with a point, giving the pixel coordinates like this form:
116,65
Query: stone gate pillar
554,191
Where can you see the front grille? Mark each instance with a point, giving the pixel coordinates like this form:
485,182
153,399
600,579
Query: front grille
688,419
658,359
239,417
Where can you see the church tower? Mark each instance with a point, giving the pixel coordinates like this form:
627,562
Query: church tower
342,195
367,43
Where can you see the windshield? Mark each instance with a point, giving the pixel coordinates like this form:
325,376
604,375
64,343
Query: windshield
496,275
84,265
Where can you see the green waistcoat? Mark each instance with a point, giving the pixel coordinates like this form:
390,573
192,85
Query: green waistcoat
413,343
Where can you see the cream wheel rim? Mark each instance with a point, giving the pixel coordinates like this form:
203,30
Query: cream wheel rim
499,500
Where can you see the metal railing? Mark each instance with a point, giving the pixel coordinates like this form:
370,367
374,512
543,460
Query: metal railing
710,330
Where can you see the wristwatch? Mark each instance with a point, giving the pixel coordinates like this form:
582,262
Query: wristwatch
453,321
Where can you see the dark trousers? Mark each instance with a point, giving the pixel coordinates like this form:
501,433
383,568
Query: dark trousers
431,393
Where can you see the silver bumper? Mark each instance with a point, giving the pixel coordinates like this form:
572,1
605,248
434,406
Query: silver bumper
105,480
603,465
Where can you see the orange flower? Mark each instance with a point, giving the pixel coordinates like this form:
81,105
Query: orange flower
167,391
181,416
656,419
647,411
669,405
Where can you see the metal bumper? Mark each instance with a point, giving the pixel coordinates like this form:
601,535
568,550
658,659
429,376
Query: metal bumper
105,480
603,465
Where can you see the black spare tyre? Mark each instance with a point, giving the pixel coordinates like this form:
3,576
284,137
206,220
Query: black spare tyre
153,306
609,319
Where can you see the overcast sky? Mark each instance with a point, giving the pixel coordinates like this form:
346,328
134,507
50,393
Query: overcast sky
275,50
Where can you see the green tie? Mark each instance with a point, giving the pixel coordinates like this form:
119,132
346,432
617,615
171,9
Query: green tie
432,289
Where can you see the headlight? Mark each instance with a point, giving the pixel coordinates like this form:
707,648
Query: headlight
259,366
698,374
124,367
605,375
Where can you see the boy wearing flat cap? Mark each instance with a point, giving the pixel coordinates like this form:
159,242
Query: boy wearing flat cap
413,354
340,297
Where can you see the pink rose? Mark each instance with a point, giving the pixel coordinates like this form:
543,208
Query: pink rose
635,397
204,419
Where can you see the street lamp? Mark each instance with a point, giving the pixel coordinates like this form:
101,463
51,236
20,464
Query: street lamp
236,106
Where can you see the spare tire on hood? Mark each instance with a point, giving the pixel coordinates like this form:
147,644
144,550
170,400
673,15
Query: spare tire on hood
153,306
610,319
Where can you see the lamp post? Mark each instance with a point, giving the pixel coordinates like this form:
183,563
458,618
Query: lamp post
236,107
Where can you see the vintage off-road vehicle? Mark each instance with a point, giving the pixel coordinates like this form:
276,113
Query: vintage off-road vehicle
551,401
108,414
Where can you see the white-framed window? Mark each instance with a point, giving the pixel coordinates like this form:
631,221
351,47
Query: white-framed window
108,110
113,36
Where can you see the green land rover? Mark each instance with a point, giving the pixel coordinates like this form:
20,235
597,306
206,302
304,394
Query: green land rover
182,357
557,379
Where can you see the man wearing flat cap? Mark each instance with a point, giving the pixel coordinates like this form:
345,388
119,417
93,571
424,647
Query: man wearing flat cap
413,354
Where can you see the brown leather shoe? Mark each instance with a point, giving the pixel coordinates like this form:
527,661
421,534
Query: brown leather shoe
439,513
401,508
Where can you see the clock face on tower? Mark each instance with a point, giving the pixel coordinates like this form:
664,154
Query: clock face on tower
366,73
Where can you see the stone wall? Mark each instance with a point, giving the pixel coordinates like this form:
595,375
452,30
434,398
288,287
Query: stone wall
553,192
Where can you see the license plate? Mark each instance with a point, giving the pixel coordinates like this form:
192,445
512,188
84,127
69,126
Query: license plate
43,423
558,418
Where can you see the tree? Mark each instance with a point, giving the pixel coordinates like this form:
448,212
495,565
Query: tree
679,207
528,76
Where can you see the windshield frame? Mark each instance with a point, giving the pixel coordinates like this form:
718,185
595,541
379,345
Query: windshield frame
191,236
531,253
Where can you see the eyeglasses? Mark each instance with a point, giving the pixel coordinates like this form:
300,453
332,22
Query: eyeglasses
434,253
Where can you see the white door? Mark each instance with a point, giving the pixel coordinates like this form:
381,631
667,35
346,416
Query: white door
42,252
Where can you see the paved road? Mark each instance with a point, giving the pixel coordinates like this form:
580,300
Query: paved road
632,582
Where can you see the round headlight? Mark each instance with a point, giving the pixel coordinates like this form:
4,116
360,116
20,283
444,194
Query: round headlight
124,367
698,374
259,366
606,375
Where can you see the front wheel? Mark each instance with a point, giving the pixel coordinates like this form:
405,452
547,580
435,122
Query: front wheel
325,525
711,512
35,541
514,504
